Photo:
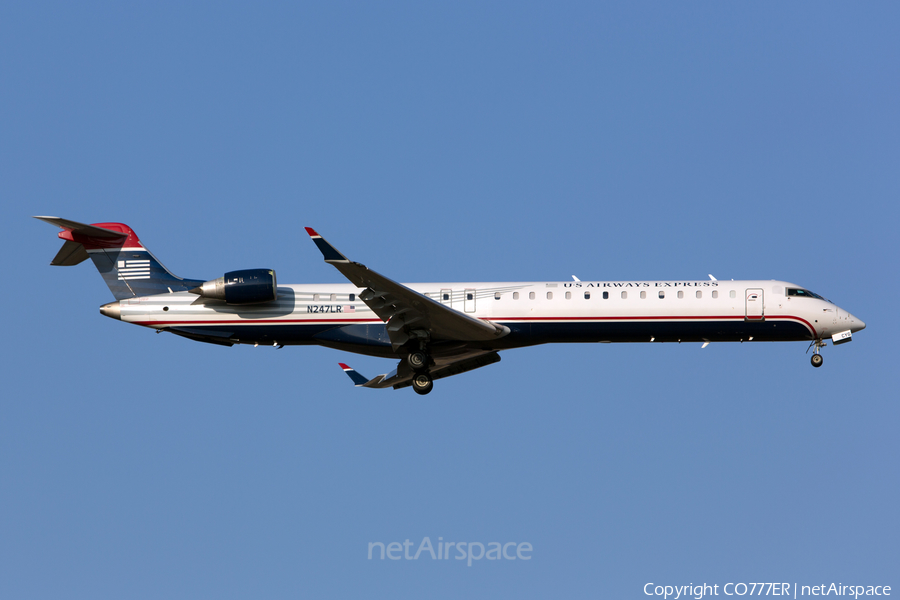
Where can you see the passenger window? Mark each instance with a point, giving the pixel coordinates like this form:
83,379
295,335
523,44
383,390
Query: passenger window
699,294
352,297
715,293
568,295
606,295
531,295
515,295
549,295
643,295
496,295
662,294
333,297
587,295
446,297
731,294
624,295
315,297
680,294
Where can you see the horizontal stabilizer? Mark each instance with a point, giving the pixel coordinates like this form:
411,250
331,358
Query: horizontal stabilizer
88,230
127,267
72,251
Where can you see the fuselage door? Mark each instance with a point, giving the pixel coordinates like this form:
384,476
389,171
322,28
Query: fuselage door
469,301
754,305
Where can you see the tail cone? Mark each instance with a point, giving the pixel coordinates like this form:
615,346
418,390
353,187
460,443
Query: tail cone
111,310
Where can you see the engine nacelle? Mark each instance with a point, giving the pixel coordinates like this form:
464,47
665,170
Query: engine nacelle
250,286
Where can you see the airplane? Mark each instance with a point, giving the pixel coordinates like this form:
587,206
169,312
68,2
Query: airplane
440,329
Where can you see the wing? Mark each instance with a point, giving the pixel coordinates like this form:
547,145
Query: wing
408,314
444,366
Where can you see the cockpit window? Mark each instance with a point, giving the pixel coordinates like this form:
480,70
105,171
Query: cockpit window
803,293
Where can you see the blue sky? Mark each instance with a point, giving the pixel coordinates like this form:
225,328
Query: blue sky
472,141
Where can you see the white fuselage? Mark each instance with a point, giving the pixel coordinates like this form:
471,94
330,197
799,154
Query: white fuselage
535,312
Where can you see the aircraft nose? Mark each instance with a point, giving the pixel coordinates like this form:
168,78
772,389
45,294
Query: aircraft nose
856,324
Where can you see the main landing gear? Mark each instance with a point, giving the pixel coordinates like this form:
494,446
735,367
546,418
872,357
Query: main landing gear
419,362
816,358
422,384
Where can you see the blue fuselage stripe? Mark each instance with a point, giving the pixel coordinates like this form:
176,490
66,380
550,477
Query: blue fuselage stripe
372,338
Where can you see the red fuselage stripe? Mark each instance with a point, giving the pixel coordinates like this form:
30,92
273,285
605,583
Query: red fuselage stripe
256,321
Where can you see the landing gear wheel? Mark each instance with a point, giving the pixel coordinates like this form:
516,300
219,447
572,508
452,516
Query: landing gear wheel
418,361
816,360
422,383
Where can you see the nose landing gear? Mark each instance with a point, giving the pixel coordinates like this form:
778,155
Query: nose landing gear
816,358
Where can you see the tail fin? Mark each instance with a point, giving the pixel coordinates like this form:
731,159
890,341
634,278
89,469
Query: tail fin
127,267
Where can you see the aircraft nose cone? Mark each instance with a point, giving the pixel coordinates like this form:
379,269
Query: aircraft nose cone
857,324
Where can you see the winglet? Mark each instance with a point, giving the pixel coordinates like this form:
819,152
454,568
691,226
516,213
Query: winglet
358,380
328,251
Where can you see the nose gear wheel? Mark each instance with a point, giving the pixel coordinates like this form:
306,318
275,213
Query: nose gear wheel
816,359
